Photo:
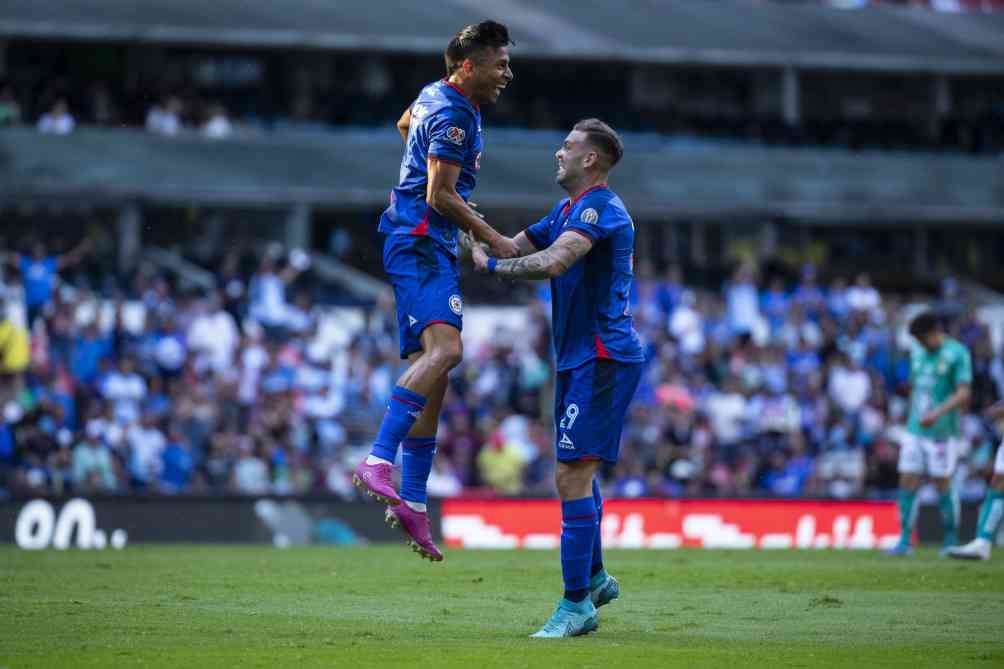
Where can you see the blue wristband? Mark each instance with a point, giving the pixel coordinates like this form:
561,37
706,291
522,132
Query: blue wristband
491,265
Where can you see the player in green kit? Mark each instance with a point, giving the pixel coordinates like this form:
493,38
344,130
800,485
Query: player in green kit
992,511
940,376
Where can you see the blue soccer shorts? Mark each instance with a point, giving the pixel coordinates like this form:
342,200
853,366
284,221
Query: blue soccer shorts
426,282
591,405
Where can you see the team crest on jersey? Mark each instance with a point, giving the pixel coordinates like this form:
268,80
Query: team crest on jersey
589,216
456,304
456,135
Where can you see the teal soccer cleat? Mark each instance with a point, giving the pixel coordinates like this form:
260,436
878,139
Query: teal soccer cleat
569,619
603,589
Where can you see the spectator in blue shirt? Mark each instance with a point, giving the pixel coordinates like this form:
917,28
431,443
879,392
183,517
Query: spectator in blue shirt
774,303
39,272
178,465
88,349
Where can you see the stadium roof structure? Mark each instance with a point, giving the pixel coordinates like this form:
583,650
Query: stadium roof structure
354,170
725,32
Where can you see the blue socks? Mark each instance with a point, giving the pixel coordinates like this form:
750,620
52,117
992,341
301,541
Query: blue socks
597,564
416,463
403,410
578,529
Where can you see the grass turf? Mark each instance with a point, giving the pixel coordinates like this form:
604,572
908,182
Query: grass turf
214,606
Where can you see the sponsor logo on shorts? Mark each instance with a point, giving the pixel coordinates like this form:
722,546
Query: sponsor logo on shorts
412,320
456,135
566,443
589,216
456,304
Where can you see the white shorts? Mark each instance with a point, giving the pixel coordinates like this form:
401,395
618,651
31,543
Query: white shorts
999,461
920,455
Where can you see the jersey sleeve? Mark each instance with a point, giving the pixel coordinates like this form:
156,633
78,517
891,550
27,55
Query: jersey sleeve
963,367
596,225
450,133
538,233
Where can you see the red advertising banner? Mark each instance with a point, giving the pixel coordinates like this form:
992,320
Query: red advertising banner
656,523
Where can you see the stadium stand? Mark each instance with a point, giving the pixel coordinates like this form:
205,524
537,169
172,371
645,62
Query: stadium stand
665,178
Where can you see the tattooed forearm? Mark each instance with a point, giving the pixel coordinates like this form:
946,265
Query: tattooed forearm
535,266
551,262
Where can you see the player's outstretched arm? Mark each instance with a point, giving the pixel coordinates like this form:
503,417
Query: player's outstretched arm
443,197
547,264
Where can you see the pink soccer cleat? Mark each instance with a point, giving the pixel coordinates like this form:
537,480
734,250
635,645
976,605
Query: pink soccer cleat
415,524
375,481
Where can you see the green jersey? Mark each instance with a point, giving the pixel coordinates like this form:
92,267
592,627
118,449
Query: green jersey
934,377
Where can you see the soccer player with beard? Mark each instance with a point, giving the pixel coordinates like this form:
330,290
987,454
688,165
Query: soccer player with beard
585,246
428,210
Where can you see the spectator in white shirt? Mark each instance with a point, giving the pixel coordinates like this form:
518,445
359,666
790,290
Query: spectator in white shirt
217,126
267,292
146,444
743,302
250,475
687,325
126,390
726,411
58,120
165,118
863,296
849,385
213,335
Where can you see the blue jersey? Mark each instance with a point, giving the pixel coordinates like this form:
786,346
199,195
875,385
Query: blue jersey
447,126
591,302
39,278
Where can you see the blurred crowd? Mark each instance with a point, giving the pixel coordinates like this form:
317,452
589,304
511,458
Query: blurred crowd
764,388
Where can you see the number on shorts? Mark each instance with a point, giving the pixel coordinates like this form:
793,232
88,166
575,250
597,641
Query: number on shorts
571,413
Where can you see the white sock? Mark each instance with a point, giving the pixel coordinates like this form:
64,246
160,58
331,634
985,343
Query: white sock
415,506
374,460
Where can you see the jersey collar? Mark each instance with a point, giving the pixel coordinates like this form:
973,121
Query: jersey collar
462,94
578,198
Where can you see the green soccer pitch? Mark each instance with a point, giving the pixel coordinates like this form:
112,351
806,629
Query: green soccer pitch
215,606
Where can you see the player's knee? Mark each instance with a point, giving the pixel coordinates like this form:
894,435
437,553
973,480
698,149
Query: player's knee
574,480
447,353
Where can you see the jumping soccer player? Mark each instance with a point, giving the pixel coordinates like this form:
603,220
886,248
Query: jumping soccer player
940,375
585,247
443,144
992,511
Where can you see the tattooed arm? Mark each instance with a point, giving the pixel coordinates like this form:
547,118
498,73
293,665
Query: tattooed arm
547,264
524,244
